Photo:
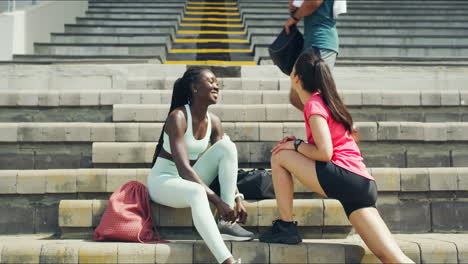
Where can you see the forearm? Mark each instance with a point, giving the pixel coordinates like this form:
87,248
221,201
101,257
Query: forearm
313,152
190,175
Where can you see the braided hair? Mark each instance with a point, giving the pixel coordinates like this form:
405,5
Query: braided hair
181,95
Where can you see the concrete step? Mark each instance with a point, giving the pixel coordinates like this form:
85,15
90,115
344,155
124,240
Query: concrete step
118,29
421,248
112,49
110,38
127,15
32,59
346,39
373,79
129,22
30,199
420,100
345,22
230,112
251,131
282,13
130,3
377,30
317,218
388,50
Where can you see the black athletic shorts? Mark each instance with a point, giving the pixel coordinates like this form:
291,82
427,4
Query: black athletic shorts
352,190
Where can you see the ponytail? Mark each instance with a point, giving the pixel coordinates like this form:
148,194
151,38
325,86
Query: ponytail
181,95
315,76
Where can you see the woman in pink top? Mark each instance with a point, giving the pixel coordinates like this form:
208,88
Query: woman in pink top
329,163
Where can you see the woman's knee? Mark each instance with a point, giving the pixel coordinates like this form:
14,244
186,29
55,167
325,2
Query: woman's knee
276,158
226,145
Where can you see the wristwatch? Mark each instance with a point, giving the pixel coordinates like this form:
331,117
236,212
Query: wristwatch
297,142
295,18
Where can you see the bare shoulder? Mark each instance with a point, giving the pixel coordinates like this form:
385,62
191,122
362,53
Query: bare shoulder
177,119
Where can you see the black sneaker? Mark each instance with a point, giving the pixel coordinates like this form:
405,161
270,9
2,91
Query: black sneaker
282,232
234,232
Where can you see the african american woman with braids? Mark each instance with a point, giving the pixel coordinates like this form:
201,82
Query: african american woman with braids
184,166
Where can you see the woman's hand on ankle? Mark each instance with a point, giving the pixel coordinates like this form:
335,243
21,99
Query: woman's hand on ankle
241,211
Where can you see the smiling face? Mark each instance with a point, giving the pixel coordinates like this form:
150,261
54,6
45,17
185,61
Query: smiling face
206,89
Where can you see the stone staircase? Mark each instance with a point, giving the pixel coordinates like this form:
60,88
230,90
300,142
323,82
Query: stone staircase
373,32
72,134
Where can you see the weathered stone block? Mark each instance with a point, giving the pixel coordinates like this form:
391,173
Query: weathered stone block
275,97
98,253
117,178
149,132
372,97
9,132
431,98
443,179
31,133
352,97
8,180
405,216
142,175
389,131
91,180
19,253
202,254
439,252
261,151
462,179
457,131
109,97
250,84
459,158
284,84
173,253
450,97
31,181
136,253
282,253
247,131
276,113
436,157
294,129
99,207
367,131
252,212
334,213
130,97
251,252
61,181
102,132
271,131
435,132
27,98
254,113
78,132
126,132
232,83
49,98
105,152
326,253
69,98
387,179
269,84
76,213
89,98
177,217
411,131
251,97
404,98
59,252
415,180
54,132
449,216
306,212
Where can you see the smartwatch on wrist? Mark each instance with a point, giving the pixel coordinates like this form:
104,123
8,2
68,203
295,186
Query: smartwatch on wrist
297,142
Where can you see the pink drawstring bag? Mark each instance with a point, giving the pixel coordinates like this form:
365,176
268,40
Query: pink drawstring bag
128,217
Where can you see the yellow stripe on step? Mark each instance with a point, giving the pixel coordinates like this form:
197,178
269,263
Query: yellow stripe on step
212,3
212,19
210,32
211,40
209,50
212,8
212,13
214,62
211,25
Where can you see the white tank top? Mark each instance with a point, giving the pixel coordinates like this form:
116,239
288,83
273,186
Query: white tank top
194,146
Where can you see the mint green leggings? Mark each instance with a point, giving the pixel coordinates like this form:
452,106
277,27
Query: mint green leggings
166,187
